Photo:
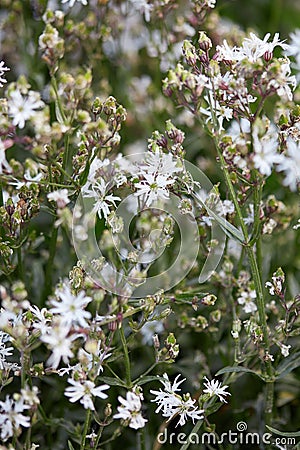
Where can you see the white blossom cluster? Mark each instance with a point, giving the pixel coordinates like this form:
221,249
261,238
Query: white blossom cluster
12,410
172,404
130,409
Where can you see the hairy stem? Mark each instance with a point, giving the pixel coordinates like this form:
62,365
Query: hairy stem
126,358
85,429
21,272
255,265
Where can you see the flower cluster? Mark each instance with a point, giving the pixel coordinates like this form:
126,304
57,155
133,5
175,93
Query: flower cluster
12,409
173,404
127,254
130,409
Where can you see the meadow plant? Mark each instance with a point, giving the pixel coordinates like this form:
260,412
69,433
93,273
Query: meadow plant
149,226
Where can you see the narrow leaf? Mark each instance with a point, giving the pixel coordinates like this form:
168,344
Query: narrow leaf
113,381
58,114
70,446
284,433
148,378
288,364
238,369
234,232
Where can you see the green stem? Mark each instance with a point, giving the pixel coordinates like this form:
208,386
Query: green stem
50,263
114,374
57,100
141,439
126,358
20,264
194,430
269,396
99,434
255,265
85,429
53,240
66,153
28,439
232,193
23,360
237,342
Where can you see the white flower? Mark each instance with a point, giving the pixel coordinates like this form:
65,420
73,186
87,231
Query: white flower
71,307
4,351
173,404
84,391
60,197
3,69
252,48
170,388
265,151
285,350
246,299
94,169
158,175
185,408
293,49
153,188
59,341
227,53
23,108
160,163
214,387
283,80
43,322
11,417
28,179
103,203
130,410
290,165
238,129
216,111
72,2
268,357
276,286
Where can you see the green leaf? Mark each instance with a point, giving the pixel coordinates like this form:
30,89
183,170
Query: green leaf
113,381
148,379
288,365
282,433
8,381
70,446
238,369
225,225
58,114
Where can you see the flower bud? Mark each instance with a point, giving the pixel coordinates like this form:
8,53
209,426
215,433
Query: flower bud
204,42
